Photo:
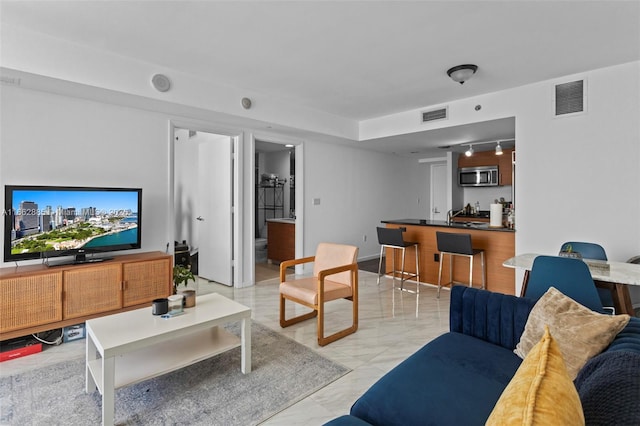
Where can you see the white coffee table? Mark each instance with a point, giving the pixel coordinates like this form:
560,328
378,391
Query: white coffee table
130,347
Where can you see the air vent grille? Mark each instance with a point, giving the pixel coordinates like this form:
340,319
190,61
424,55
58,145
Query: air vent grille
436,114
570,97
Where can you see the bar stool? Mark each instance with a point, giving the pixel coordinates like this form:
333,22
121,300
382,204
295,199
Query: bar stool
392,238
455,244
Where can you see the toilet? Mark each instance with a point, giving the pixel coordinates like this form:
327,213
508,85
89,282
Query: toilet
260,246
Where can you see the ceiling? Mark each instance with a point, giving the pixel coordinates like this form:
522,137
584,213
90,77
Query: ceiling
358,60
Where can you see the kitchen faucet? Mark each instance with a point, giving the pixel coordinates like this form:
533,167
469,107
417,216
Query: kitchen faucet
451,216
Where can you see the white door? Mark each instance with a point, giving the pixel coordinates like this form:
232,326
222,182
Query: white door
438,191
214,211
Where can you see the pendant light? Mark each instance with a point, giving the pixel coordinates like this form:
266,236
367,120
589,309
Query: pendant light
498,149
469,152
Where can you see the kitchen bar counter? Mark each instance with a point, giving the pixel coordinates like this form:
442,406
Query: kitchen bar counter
498,244
441,223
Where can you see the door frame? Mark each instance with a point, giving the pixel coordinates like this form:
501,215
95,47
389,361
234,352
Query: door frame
237,201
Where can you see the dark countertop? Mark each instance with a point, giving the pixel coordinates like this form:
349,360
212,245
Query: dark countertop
481,226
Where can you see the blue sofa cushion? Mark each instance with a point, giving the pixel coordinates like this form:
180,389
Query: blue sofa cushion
609,388
454,380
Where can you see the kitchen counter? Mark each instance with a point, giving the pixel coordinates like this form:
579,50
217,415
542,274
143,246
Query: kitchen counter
497,243
484,226
282,220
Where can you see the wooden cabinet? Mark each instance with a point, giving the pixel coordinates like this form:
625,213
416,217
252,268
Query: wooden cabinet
505,167
30,301
143,281
36,298
489,158
281,240
91,290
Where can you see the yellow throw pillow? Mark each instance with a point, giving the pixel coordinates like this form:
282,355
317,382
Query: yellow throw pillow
541,392
580,332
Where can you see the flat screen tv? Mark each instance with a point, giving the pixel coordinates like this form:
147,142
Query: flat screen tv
41,222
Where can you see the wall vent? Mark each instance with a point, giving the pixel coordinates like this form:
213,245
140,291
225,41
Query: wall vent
570,97
12,81
436,114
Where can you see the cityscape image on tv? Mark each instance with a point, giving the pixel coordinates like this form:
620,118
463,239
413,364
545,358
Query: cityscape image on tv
47,221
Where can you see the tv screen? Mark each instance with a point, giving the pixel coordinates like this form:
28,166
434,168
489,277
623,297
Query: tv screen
50,221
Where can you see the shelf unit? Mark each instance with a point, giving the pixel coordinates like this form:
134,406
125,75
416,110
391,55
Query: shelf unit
271,201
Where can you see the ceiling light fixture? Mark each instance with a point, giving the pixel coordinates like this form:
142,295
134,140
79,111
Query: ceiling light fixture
462,73
469,152
498,149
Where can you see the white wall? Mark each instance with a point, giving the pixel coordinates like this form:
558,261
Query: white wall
357,189
279,163
49,139
486,195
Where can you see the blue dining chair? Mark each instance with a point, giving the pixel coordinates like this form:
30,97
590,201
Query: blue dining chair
587,250
591,251
570,276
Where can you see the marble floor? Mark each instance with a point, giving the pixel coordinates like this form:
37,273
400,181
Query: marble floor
393,325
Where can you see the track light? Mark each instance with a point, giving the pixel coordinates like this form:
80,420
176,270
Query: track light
498,149
469,152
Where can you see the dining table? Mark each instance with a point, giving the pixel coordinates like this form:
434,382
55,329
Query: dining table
611,275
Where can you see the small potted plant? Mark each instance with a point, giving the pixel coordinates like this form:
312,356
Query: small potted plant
182,275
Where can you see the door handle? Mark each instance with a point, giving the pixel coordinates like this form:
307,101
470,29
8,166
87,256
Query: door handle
200,218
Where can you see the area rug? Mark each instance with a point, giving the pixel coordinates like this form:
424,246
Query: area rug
211,392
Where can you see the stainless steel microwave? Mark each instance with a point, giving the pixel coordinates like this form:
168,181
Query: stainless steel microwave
478,176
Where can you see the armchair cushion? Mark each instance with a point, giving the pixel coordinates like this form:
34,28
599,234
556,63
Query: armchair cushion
306,290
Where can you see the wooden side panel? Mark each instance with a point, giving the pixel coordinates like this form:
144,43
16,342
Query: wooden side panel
147,280
30,300
498,246
90,290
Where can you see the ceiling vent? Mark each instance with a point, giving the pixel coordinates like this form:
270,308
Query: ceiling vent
436,114
570,98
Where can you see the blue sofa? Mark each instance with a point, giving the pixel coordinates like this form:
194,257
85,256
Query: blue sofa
457,378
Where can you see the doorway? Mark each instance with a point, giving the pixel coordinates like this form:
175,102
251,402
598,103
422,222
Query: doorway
275,207
203,188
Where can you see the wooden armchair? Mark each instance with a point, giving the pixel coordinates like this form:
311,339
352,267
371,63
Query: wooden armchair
335,276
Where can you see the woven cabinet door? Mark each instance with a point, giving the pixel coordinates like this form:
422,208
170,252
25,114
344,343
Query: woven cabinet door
92,290
148,280
30,301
